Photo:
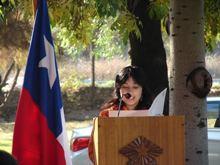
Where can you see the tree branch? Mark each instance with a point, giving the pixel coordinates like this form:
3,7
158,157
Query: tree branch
12,87
3,83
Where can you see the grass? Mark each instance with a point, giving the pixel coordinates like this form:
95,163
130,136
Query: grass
6,132
6,135
6,142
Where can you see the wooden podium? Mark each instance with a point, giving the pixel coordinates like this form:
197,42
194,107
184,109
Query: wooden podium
154,140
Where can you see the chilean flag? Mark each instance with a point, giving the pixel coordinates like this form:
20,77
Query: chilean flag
39,132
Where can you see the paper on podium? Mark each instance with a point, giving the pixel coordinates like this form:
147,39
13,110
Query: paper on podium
130,113
158,104
156,108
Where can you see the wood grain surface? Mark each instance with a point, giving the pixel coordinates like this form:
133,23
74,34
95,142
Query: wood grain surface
111,134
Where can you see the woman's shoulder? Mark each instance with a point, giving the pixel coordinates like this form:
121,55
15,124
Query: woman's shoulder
105,112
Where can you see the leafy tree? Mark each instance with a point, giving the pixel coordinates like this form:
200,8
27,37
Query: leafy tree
136,20
15,35
132,21
105,43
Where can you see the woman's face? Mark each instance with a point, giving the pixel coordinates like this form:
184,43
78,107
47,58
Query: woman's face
134,89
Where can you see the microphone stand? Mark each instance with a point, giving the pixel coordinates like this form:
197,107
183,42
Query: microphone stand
127,95
119,106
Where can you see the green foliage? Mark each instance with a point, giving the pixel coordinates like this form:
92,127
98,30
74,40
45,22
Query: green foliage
78,17
107,8
107,43
83,18
27,9
20,57
6,6
71,83
158,10
126,23
77,20
14,35
212,23
67,41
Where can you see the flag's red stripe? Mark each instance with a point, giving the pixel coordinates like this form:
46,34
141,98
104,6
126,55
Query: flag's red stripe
34,143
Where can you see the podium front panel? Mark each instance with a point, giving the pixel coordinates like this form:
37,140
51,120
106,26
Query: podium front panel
164,137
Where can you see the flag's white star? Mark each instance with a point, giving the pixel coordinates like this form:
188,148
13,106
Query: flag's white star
49,62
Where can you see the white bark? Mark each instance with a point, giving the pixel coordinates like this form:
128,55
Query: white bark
187,53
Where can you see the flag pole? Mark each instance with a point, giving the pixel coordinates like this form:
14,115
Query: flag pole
35,6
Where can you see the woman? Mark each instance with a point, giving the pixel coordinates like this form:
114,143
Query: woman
131,94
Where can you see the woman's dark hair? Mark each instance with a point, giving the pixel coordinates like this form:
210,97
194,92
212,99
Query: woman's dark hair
137,74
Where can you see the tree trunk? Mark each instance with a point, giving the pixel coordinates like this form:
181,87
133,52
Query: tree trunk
86,53
34,6
8,94
187,52
93,71
149,52
91,47
93,75
7,73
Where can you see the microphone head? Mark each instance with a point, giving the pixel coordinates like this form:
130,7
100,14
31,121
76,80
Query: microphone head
127,95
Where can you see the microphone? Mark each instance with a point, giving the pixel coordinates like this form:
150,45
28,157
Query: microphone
127,96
